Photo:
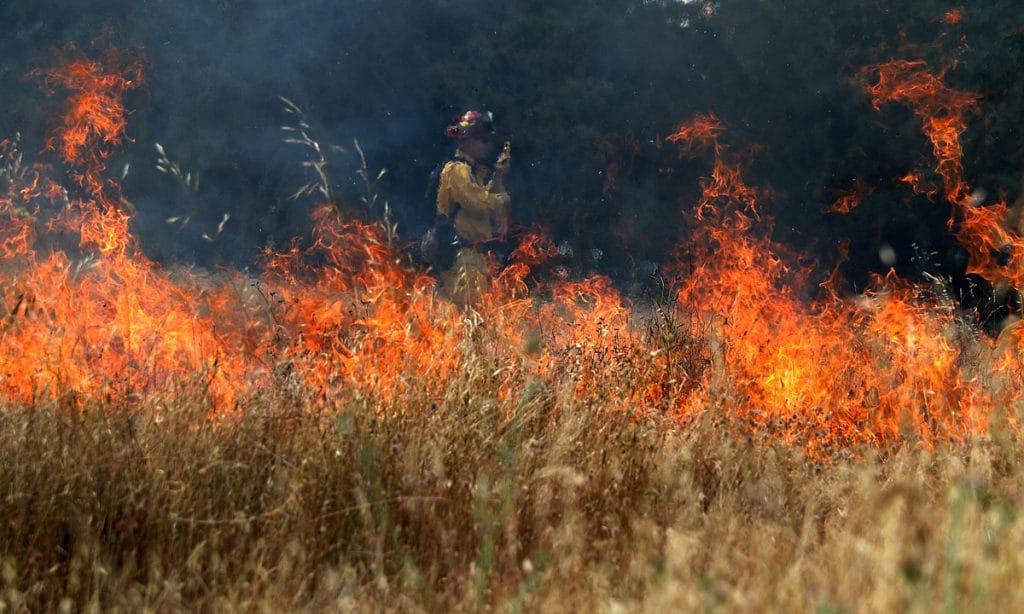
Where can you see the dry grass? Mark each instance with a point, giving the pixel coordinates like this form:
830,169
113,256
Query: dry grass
540,498
477,504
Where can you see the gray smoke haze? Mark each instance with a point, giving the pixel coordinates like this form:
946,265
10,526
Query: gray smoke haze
216,70
585,90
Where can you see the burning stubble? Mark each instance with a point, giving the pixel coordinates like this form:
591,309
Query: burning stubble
333,428
348,318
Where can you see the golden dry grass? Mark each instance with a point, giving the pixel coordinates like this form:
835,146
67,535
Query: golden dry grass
535,503
541,500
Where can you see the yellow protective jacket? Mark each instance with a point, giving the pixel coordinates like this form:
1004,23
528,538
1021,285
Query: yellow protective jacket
483,207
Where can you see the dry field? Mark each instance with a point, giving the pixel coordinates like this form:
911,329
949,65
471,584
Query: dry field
339,437
473,504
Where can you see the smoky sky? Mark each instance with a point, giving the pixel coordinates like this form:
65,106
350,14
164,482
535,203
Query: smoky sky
215,71
581,89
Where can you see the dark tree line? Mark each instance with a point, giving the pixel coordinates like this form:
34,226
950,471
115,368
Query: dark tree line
584,90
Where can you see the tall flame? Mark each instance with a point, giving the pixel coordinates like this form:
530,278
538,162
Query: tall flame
95,118
744,331
942,110
725,184
823,372
995,251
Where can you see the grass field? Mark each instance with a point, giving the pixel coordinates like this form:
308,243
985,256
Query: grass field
474,504
332,434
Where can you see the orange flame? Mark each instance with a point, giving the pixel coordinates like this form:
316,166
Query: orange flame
95,119
995,251
745,331
725,184
942,110
823,372
697,135
848,200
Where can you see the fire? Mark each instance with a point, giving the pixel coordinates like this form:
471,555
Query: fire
920,184
848,200
725,184
941,109
995,251
107,323
822,372
745,329
697,135
361,320
95,119
533,249
955,17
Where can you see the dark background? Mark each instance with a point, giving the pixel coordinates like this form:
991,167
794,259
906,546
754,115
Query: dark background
582,89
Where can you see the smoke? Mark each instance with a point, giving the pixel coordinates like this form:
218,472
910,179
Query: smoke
215,72
585,92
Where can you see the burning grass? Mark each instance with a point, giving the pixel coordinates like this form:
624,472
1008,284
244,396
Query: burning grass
334,433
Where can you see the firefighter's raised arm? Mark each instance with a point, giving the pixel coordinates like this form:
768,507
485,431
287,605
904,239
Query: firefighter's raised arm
468,188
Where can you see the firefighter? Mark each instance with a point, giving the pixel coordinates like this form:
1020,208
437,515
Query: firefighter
473,194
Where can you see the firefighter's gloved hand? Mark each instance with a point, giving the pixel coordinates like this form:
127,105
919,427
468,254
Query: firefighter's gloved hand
504,161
